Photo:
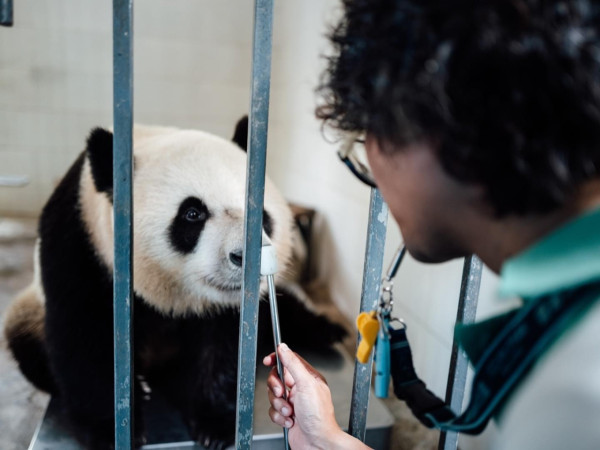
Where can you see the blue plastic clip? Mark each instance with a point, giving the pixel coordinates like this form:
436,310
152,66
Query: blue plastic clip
382,360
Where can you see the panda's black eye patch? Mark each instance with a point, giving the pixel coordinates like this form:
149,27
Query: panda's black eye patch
187,225
267,224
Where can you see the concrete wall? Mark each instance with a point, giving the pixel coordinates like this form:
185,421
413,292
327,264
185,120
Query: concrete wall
192,69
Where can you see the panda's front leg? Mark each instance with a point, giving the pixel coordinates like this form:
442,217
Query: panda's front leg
82,364
212,405
205,395
202,381
96,430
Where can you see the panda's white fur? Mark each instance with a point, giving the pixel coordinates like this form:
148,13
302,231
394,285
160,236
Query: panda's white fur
170,165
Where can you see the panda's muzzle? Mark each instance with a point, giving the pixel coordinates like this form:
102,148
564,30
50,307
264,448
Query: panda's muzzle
222,285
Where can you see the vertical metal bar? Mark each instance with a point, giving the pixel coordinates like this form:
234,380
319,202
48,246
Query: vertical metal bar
6,13
255,186
123,218
457,374
378,214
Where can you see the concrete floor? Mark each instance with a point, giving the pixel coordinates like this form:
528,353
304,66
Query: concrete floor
21,406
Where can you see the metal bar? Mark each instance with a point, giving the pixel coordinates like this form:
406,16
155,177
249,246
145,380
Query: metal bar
277,341
457,374
123,219
6,13
255,187
378,214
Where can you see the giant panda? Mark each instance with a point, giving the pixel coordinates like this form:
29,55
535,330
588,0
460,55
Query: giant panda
189,199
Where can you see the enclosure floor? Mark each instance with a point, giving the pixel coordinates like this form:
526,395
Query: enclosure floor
22,407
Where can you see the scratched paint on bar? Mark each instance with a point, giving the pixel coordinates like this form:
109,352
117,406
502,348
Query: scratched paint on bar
123,219
255,184
378,213
457,373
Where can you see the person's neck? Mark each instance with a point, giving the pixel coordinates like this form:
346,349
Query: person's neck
513,234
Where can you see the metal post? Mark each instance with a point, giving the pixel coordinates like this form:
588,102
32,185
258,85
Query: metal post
255,186
457,374
378,214
6,13
123,218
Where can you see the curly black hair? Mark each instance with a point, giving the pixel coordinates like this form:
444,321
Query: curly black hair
508,90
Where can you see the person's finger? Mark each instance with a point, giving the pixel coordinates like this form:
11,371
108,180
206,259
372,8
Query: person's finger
289,380
296,365
279,419
280,405
274,383
269,360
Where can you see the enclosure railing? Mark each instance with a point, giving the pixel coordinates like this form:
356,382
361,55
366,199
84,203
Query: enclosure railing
361,386
255,188
123,218
257,140
6,13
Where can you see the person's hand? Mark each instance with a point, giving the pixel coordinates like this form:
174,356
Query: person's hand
308,412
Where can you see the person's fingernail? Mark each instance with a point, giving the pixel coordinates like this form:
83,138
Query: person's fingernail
288,423
284,347
285,411
277,391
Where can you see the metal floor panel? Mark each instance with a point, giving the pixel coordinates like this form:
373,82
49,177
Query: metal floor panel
167,431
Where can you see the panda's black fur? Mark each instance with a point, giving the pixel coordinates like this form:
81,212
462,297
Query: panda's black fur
190,359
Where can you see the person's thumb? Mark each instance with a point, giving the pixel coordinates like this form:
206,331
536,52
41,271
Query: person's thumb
292,363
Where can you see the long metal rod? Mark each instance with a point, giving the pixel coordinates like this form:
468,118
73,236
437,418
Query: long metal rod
6,13
275,322
378,214
123,219
255,186
277,341
457,374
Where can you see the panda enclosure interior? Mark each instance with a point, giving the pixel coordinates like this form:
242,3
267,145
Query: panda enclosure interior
192,69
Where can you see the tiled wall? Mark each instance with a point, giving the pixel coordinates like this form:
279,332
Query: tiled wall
192,69
192,62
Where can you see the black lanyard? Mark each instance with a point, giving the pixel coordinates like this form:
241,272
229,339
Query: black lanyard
526,334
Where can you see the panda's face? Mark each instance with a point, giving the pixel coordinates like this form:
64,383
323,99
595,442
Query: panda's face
189,199
221,238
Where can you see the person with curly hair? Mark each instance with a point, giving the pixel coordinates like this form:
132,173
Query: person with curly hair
481,127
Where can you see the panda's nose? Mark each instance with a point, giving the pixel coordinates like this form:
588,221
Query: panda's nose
236,258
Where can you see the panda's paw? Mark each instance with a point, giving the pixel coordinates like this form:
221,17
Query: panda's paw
324,333
210,441
297,318
214,433
334,332
140,440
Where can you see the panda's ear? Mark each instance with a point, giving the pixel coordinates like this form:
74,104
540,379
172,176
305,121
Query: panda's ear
100,153
240,136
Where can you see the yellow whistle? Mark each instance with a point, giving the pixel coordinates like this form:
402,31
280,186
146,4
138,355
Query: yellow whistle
368,327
